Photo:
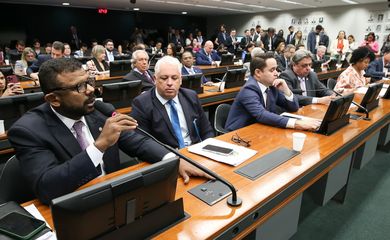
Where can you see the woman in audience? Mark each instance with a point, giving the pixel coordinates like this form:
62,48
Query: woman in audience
9,89
37,47
98,65
352,45
27,58
386,43
195,45
371,43
48,48
280,48
171,50
353,77
298,40
248,50
339,47
189,39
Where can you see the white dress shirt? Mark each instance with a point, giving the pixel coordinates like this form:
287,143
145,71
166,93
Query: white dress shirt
110,55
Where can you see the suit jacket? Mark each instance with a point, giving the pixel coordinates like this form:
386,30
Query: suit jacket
289,38
152,116
221,39
231,47
266,40
375,69
203,59
245,41
281,61
52,160
114,52
196,70
311,84
37,64
135,75
248,107
311,41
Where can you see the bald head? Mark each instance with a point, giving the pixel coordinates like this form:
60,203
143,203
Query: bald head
208,47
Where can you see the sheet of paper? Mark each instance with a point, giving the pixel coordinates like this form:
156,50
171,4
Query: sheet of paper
298,117
239,155
35,212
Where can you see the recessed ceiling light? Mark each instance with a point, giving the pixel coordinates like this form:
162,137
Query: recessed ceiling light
184,13
65,4
136,9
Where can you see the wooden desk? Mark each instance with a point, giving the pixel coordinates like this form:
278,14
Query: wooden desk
324,76
267,195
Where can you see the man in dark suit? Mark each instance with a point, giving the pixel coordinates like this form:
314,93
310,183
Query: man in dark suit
172,114
66,142
317,38
111,52
283,60
301,80
291,35
140,70
222,35
258,100
246,39
231,42
379,68
75,40
188,68
269,40
57,51
207,55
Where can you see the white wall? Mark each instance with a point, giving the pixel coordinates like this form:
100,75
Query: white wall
352,19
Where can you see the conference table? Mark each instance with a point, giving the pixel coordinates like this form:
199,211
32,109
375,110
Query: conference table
267,196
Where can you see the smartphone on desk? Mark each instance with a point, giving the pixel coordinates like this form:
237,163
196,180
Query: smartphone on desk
20,226
217,149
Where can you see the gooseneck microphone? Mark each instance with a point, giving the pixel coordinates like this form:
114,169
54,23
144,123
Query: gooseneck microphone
108,109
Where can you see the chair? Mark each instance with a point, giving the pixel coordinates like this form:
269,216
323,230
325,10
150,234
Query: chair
331,83
221,114
13,187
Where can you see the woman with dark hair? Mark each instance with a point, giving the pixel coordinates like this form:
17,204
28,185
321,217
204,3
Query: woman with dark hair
9,89
370,42
171,50
353,77
386,43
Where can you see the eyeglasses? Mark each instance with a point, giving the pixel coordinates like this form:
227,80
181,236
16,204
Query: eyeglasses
240,141
80,87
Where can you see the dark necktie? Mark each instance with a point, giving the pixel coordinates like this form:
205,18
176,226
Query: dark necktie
148,77
80,136
269,99
176,123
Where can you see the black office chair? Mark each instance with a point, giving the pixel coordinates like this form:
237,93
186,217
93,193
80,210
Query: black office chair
331,83
13,186
221,114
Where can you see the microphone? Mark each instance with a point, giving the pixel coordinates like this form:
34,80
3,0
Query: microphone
367,118
108,110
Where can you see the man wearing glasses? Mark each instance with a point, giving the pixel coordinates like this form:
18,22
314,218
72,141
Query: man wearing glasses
66,142
304,82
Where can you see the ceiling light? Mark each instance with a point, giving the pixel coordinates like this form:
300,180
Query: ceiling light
184,13
65,4
136,9
349,1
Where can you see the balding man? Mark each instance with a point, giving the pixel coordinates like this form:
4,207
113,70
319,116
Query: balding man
140,66
207,55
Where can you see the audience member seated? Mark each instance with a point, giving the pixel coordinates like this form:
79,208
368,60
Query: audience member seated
339,46
172,114
48,47
67,51
57,51
261,96
320,55
158,49
140,70
19,47
280,48
353,77
207,55
9,89
37,47
370,42
256,52
386,44
83,52
298,39
171,50
27,59
379,68
352,45
98,65
283,60
188,68
111,52
248,50
302,80
67,142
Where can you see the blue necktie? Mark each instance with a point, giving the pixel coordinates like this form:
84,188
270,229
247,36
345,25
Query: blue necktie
176,124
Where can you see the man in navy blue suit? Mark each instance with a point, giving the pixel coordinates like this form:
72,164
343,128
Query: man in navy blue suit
207,55
155,110
187,60
57,51
66,142
264,92
378,69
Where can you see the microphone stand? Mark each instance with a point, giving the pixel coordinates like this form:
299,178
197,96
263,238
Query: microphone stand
232,200
367,118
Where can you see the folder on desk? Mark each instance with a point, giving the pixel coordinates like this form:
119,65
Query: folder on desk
239,155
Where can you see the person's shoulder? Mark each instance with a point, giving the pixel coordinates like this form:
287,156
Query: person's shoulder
188,92
32,119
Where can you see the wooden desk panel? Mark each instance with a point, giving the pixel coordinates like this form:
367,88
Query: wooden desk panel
273,190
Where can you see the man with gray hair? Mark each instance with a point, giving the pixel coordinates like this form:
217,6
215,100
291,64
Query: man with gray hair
172,114
140,66
304,82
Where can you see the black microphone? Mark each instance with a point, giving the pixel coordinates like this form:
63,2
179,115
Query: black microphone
367,118
108,109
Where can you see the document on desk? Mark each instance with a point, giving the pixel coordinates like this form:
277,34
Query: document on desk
298,117
239,155
363,90
32,209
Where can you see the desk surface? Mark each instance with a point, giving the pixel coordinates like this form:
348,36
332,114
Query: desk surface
273,190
